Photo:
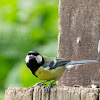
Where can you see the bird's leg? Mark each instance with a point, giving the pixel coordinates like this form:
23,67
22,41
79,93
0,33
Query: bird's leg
39,83
49,86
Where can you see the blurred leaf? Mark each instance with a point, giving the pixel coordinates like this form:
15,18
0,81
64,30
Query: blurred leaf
50,49
1,95
13,79
7,2
4,69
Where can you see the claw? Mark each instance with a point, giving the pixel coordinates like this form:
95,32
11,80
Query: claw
40,83
49,87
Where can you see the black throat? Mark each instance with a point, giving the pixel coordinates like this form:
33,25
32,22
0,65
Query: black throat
33,65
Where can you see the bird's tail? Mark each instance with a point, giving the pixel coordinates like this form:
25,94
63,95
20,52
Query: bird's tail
72,64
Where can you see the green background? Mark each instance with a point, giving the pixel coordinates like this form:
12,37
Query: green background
25,25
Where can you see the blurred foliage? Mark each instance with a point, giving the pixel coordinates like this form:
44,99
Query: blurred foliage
25,25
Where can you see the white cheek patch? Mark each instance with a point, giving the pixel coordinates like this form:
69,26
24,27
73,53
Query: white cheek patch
27,59
55,61
38,59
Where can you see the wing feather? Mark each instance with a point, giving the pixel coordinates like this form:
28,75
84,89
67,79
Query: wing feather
56,63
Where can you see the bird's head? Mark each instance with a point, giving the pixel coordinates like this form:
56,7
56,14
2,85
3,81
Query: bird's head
33,60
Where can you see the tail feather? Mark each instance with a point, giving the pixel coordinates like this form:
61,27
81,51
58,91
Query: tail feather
72,64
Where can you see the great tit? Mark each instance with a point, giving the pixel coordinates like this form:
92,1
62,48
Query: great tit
50,68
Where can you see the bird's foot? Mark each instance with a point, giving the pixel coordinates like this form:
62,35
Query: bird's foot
47,89
40,84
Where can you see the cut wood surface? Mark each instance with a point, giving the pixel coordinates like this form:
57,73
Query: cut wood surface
56,93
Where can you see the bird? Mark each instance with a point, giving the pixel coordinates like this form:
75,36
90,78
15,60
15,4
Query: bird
50,68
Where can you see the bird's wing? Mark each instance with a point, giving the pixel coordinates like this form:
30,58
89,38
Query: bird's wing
55,63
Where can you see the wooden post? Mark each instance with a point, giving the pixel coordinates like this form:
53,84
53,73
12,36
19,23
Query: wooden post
79,39
56,93
18,94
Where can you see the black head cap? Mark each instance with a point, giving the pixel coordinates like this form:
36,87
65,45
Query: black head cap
33,53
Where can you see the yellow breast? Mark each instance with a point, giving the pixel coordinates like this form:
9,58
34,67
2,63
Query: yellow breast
46,74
